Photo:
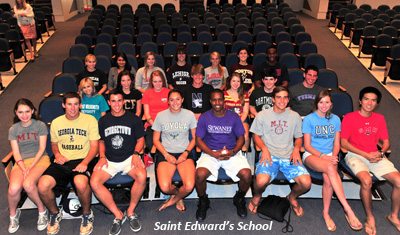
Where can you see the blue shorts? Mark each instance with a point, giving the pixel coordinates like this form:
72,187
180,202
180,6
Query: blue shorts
289,170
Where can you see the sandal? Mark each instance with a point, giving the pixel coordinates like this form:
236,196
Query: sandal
370,230
180,206
298,210
330,225
352,226
396,225
254,205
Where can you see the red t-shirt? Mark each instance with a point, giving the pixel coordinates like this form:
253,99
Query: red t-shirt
364,133
157,101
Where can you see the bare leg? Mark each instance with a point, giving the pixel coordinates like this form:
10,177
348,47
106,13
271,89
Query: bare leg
394,179
140,176
103,194
302,185
84,192
28,43
366,198
45,186
14,190
260,184
201,184
30,186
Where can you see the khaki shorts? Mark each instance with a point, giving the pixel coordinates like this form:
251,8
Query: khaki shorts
232,166
358,164
44,162
114,168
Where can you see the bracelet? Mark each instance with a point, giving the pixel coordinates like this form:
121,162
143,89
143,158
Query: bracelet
136,153
102,157
320,155
20,160
188,151
382,154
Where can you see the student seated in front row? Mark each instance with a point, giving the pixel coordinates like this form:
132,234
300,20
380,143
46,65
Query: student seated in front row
122,139
361,132
220,136
74,141
274,130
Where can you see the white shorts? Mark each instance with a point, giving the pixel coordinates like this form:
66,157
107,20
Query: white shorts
307,154
232,166
358,163
114,168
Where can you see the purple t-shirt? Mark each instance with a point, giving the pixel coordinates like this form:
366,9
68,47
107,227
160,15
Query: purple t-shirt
217,132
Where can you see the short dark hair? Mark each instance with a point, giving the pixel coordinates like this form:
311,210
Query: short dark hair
271,47
115,92
370,89
279,89
217,91
311,67
175,91
270,72
70,95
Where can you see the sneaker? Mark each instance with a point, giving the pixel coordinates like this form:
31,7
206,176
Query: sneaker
14,222
117,225
42,221
134,223
87,224
202,207
54,223
240,202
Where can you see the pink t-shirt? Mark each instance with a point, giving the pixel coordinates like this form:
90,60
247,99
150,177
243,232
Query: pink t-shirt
157,101
364,133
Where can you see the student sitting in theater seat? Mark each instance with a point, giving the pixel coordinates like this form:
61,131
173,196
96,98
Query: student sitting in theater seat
98,77
132,97
178,75
142,79
92,103
155,100
121,63
216,74
237,100
27,137
321,131
245,70
172,130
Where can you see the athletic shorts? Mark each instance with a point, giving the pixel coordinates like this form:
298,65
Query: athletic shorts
289,170
358,163
114,168
232,166
64,174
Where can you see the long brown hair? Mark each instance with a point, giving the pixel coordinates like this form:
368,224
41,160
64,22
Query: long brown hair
26,102
20,6
322,94
240,90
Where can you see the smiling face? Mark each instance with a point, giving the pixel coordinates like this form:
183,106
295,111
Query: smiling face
90,63
269,82
116,103
71,107
281,100
324,105
217,102
243,55
121,62
271,55
126,82
24,113
236,82
151,60
175,101
181,57
157,83
310,77
368,103
214,58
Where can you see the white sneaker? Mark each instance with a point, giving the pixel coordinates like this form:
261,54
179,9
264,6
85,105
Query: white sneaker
42,221
14,222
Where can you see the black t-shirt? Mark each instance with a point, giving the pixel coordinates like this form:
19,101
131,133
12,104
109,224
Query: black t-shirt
179,76
281,72
120,135
197,100
260,99
98,77
131,100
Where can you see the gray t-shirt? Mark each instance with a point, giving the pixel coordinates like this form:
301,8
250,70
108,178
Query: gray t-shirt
277,130
175,129
28,137
302,98
213,77
140,79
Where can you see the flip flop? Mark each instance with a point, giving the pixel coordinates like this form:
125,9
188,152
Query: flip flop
180,206
255,207
330,225
369,230
396,225
351,225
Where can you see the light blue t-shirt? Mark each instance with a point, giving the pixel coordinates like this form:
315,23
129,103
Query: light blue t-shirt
322,131
94,105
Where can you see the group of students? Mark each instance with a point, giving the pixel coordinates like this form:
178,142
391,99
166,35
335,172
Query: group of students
194,116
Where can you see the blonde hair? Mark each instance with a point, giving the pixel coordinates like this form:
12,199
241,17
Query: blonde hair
83,82
220,68
90,56
146,66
